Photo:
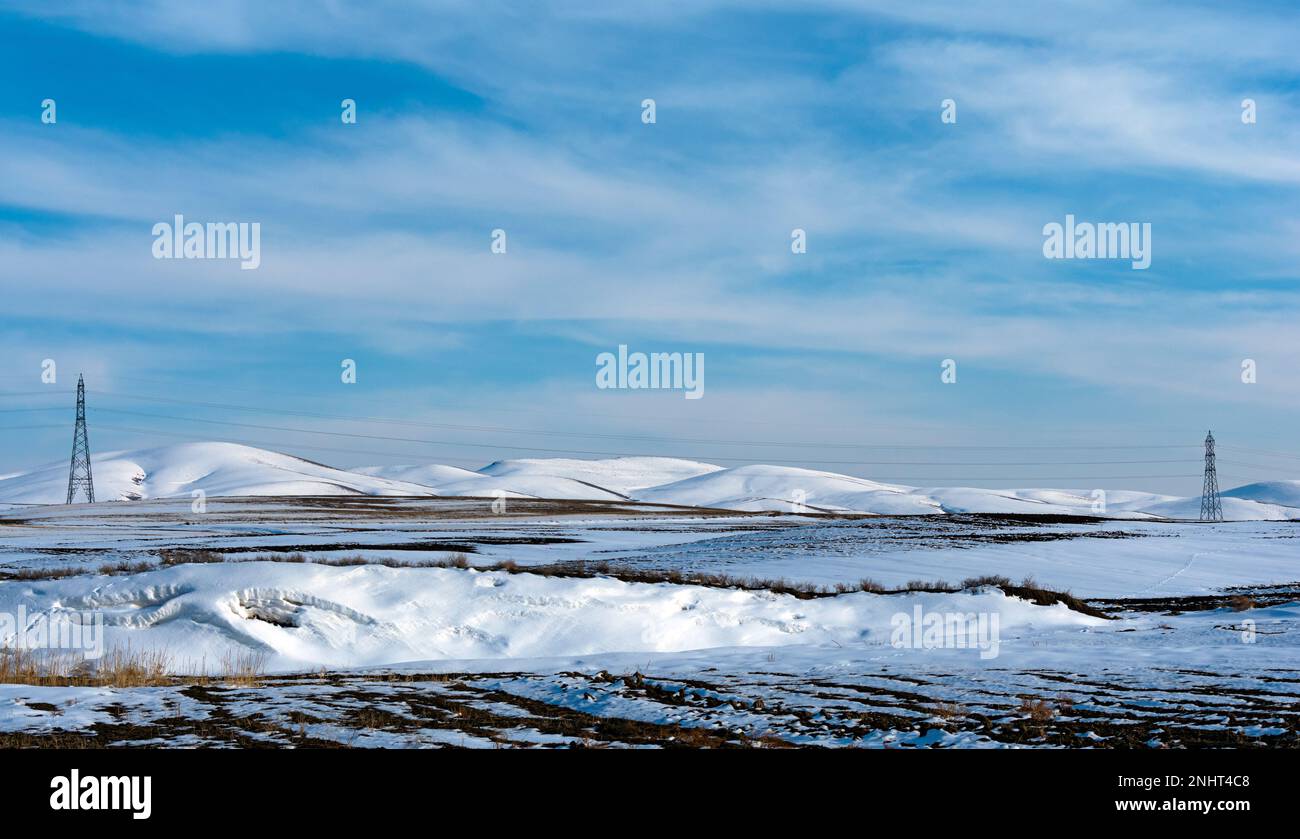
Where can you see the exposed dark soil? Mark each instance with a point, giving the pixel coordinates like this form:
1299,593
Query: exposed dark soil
738,712
1237,598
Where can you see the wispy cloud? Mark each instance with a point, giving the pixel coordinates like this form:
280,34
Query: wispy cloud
924,238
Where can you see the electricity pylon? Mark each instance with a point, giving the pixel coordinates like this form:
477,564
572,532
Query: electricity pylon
1211,506
79,471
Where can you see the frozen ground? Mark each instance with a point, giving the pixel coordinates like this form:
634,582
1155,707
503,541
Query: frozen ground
370,655
1147,681
1089,558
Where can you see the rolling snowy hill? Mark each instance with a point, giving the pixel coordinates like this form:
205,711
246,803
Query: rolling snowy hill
215,468
780,488
229,469
613,479
1285,493
623,475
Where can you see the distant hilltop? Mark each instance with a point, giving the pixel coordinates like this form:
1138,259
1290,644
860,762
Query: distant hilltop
230,469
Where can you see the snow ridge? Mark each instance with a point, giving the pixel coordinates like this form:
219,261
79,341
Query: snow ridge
230,469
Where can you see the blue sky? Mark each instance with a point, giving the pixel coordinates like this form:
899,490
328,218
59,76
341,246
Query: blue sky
924,239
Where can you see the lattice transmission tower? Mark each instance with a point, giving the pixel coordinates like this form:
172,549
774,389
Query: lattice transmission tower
1211,507
79,472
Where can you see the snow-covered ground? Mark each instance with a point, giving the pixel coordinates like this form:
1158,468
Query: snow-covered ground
228,469
1108,559
1214,677
459,656
306,616
1182,681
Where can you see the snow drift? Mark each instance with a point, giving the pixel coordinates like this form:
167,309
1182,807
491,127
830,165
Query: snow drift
304,615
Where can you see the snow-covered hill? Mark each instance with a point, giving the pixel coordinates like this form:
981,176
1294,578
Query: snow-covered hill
428,474
783,488
215,468
1234,509
1285,493
613,479
623,475
228,469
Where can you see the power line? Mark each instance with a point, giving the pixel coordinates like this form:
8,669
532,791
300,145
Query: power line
730,421
280,392
582,434
425,456
389,438
1248,465
274,446
506,429
597,435
408,455
1261,451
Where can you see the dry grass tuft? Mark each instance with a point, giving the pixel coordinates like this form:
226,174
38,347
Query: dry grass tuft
121,667
124,667
187,556
986,580
1037,710
43,573
1241,603
458,560
1031,591
118,667
245,668
938,586
125,567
